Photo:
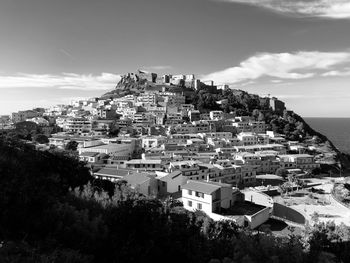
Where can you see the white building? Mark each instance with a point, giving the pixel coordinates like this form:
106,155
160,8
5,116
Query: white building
215,198
247,138
216,115
299,161
169,183
78,125
112,149
209,197
154,141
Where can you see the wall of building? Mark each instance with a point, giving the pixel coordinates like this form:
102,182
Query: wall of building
226,197
258,218
173,185
206,201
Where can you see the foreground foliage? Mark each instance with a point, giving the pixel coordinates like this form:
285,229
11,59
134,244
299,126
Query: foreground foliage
52,210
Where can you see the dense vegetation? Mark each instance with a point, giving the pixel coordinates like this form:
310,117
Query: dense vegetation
29,131
53,211
341,191
241,103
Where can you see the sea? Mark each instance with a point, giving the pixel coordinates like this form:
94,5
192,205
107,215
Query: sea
337,130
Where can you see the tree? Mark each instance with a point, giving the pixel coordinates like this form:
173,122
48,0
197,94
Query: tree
300,183
25,130
316,171
113,131
261,117
281,172
71,146
288,186
282,189
315,217
255,114
89,224
41,138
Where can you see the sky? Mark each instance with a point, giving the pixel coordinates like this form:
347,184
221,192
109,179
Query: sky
52,52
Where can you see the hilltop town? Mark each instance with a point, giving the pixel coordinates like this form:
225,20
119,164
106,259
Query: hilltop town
175,135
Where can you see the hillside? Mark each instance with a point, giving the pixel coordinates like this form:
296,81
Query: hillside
235,102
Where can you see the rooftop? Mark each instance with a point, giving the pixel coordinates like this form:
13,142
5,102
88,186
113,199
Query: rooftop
296,155
244,208
189,163
169,176
204,186
136,179
261,146
107,146
89,154
141,161
112,172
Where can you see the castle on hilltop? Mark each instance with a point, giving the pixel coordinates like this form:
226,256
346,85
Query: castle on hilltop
186,81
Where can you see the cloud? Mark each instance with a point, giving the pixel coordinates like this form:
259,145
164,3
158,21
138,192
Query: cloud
337,73
276,81
73,81
298,65
335,9
242,84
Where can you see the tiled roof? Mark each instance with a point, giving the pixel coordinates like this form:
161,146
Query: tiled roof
136,179
112,172
89,154
170,176
203,186
142,161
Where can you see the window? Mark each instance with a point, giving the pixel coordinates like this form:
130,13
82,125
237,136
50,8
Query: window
199,206
198,194
190,192
189,203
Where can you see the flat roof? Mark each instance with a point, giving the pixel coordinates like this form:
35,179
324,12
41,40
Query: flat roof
185,163
207,165
259,146
269,177
140,161
245,154
266,153
206,153
296,155
244,208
